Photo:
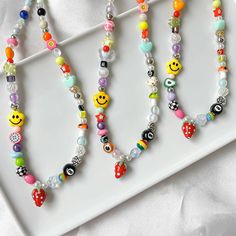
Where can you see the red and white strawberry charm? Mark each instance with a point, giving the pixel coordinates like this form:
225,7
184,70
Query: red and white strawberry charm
188,129
120,169
39,196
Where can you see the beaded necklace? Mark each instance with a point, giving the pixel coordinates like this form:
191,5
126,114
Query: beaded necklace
174,66
102,99
16,118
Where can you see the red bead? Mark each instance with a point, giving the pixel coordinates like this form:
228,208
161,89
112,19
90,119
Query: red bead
218,12
106,48
220,52
188,129
120,169
10,60
176,14
39,196
140,1
144,34
65,68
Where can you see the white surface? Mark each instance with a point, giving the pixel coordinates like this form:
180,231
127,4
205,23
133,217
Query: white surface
92,163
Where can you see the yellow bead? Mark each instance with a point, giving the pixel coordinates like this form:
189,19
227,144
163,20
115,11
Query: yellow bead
101,99
216,3
143,25
60,61
178,5
82,114
173,67
16,118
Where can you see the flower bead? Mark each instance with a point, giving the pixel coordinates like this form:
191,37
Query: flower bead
51,44
109,26
143,7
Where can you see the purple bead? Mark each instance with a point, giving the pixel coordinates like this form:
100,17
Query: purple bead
101,125
17,147
176,48
102,82
171,96
14,97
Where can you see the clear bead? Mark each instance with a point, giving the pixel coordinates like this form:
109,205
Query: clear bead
175,38
128,158
223,92
117,154
54,182
12,87
80,150
153,118
135,153
82,141
56,52
155,110
201,120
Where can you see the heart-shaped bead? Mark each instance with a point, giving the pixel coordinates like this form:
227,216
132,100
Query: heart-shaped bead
69,81
178,5
146,47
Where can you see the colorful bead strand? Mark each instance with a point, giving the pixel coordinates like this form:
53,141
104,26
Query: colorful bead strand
17,119
102,99
174,66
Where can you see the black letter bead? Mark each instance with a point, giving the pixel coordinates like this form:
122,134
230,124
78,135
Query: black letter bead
69,170
216,108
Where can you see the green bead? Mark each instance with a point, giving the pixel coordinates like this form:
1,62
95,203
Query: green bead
154,95
20,162
174,22
9,68
168,83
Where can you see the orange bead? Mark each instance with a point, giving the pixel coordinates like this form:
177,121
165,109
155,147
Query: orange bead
140,1
9,53
145,34
47,36
178,5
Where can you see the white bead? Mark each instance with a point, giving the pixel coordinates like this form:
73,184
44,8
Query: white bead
142,17
151,67
117,154
221,46
171,76
82,132
155,110
43,24
26,8
222,75
128,157
12,87
80,101
56,52
103,72
83,120
153,118
153,102
175,38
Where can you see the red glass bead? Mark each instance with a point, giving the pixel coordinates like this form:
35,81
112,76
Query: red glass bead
144,34
106,48
10,60
65,68
176,14
220,51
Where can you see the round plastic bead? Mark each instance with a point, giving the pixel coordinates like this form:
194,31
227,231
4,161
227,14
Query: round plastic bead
24,14
17,147
69,170
47,36
223,82
82,140
20,162
135,152
60,61
13,42
179,113
41,12
143,25
142,145
29,179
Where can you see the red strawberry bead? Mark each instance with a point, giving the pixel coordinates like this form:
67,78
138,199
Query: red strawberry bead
39,196
188,129
120,169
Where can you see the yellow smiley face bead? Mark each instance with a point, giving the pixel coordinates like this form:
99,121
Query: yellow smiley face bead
173,67
101,99
16,118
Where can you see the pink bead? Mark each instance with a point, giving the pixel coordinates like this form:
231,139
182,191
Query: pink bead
12,41
109,26
102,132
179,113
17,129
29,179
51,44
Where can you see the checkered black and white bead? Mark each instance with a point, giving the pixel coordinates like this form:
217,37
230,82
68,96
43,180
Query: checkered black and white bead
21,171
173,105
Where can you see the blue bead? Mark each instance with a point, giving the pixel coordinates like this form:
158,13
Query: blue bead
219,24
146,47
223,82
69,81
135,152
17,154
82,140
24,14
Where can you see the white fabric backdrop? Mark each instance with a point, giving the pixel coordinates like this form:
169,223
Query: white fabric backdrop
198,201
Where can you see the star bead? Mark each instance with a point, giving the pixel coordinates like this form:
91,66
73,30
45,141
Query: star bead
100,117
108,41
218,12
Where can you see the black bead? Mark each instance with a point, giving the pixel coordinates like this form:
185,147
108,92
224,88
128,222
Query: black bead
216,108
41,12
69,170
104,139
11,78
173,105
148,135
81,108
21,171
104,64
150,73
